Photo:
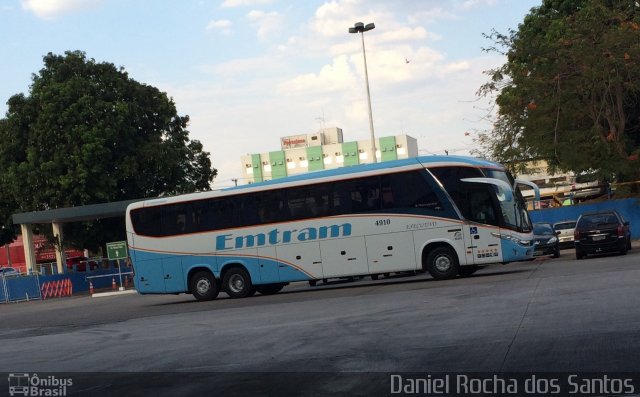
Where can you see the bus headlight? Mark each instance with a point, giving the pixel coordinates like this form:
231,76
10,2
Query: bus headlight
524,243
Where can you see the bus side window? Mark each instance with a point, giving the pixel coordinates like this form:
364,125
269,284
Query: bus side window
481,208
387,197
248,210
147,221
320,203
272,207
341,198
300,203
366,192
409,190
308,201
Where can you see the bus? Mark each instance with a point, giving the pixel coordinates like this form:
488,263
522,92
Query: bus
445,215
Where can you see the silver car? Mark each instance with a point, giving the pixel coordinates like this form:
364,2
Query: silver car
565,233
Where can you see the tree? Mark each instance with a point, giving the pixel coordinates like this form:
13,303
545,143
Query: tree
570,89
87,133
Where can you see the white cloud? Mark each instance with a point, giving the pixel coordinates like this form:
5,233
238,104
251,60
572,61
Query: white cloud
49,9
266,22
331,78
243,3
223,25
471,4
433,14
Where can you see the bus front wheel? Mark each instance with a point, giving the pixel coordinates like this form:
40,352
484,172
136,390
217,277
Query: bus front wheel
204,286
237,283
442,263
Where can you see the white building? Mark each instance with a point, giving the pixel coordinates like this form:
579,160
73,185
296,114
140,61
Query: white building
324,149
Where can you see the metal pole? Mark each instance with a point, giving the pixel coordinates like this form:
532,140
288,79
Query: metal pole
121,288
8,254
366,78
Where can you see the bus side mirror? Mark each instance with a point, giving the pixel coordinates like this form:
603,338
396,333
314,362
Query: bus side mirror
536,189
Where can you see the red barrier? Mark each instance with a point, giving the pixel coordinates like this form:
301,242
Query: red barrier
56,289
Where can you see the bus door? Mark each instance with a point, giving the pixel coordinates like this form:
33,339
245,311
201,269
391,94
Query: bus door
484,244
483,211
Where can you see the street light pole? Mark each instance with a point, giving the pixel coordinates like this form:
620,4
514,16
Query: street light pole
360,27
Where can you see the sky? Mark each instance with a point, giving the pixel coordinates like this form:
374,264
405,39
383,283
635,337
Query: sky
248,72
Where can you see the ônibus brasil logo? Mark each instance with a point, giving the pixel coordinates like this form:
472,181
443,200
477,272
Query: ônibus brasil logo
24,384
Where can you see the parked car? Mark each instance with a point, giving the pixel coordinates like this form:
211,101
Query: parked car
564,231
546,240
598,232
8,272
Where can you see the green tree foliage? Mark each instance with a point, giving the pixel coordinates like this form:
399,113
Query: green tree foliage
570,89
87,133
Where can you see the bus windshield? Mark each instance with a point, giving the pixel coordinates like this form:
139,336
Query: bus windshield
465,187
514,212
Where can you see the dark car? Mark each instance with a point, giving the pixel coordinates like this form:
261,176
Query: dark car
564,230
546,240
599,232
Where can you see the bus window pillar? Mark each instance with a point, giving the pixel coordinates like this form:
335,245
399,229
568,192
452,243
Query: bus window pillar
60,256
29,250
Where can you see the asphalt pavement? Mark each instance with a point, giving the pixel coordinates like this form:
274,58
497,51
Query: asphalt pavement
548,315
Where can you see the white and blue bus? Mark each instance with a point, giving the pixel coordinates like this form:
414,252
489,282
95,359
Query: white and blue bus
446,215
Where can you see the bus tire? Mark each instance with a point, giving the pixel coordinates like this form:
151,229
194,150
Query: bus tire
442,263
466,271
374,276
269,289
237,283
204,286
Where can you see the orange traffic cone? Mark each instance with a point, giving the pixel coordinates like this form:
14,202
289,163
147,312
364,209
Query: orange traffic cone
113,283
91,287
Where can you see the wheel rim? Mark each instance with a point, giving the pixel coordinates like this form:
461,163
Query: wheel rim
203,286
236,283
443,263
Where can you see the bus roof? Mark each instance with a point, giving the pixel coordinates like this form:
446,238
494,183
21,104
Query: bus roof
424,160
336,172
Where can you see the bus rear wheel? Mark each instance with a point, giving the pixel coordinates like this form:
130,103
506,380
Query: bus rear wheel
204,286
442,263
237,283
269,289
